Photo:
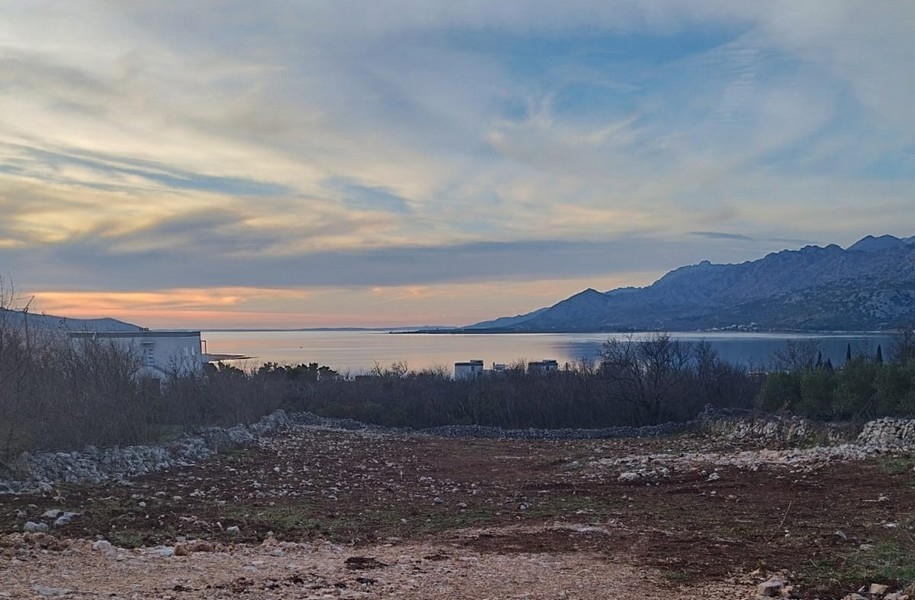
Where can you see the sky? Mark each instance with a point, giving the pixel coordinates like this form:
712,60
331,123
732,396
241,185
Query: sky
206,164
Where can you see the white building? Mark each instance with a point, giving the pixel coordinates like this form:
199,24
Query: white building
469,369
161,352
546,365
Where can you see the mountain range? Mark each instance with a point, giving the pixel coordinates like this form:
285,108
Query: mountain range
868,286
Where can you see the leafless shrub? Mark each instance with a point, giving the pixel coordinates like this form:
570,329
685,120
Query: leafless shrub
650,375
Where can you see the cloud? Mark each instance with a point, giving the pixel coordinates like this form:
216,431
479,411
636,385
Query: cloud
360,197
718,235
397,143
211,251
103,171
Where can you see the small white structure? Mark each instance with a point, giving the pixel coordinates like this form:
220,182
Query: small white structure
546,365
469,369
162,352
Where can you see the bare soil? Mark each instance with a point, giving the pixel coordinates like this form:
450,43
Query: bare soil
323,513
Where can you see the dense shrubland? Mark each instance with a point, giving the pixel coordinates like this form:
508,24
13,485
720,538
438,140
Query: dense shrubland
866,386
635,383
58,393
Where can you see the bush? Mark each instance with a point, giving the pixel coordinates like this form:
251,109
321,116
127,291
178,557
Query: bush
864,388
781,392
57,393
60,393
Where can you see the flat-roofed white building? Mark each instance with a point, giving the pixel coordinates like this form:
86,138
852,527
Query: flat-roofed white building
161,352
469,369
547,365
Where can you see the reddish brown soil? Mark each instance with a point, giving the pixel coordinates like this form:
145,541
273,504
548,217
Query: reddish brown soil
358,489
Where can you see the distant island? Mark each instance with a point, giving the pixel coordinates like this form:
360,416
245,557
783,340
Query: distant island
869,286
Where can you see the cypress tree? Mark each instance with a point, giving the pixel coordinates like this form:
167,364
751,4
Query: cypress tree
879,357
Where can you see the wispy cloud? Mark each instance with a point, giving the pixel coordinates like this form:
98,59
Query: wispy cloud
290,145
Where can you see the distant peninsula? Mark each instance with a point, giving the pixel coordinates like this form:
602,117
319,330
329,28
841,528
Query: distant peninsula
40,320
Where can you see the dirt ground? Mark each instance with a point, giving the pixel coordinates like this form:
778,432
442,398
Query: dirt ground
321,513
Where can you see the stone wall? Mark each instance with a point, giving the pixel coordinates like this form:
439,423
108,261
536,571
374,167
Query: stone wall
774,429
880,433
39,470
888,433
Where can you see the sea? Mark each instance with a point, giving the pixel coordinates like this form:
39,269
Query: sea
362,351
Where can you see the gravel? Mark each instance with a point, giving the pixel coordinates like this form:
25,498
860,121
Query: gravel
40,471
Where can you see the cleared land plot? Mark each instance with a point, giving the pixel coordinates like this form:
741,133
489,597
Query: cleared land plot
511,517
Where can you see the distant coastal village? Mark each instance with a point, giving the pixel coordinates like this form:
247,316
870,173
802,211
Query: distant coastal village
474,368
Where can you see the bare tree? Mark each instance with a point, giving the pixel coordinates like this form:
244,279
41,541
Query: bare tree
797,355
646,373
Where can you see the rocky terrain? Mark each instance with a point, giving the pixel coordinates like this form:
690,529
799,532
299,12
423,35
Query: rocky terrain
868,286
734,508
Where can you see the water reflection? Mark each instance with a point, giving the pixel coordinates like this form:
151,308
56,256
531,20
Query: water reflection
756,351
361,351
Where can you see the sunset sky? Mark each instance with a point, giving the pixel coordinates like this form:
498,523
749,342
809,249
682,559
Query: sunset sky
277,163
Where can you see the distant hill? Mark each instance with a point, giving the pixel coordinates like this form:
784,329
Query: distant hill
868,286
17,318
507,321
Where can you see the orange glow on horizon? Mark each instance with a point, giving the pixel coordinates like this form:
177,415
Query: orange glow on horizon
451,304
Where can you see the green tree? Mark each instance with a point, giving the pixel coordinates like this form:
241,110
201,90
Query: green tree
780,392
903,349
816,392
893,384
854,393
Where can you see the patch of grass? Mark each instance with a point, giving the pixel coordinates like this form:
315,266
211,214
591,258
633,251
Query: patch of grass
162,433
286,519
126,538
891,562
308,521
886,562
470,517
898,465
110,508
677,576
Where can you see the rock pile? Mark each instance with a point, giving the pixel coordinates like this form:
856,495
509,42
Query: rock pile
877,437
777,429
653,467
93,465
888,433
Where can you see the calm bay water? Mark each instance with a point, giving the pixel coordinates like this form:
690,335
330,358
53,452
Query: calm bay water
359,351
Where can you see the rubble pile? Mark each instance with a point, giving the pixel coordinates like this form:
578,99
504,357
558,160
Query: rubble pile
40,470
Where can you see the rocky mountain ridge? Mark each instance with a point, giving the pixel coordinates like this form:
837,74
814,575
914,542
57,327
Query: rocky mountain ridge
868,286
